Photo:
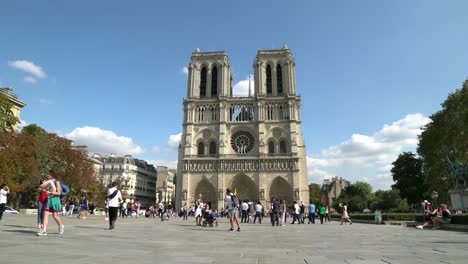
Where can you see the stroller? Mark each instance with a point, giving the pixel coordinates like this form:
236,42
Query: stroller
210,218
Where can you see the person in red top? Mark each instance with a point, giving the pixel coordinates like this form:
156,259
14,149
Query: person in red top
41,203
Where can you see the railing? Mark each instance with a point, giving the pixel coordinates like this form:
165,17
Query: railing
242,156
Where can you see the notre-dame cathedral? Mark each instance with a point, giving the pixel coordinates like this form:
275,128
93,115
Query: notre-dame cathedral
251,144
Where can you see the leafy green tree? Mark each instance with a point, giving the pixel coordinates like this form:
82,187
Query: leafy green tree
26,157
7,119
314,193
445,139
409,178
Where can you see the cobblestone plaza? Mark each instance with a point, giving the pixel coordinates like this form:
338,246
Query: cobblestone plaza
146,240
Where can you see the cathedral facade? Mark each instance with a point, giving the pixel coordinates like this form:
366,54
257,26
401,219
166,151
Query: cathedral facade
251,144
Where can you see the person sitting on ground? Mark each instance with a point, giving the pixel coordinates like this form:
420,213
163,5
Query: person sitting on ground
429,213
443,217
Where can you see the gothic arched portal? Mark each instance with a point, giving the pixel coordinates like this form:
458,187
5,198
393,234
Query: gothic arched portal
281,189
207,190
245,188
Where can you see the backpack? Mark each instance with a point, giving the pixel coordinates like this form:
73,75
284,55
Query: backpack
65,189
234,201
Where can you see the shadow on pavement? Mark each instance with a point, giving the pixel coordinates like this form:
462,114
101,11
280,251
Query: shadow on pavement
21,231
20,226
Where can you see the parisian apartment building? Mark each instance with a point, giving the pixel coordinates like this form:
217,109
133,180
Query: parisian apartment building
137,177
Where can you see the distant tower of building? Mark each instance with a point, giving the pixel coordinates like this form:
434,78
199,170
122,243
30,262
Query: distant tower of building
165,185
17,104
253,144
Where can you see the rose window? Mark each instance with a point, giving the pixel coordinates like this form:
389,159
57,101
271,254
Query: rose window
242,142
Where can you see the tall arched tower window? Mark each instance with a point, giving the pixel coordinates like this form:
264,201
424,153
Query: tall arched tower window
283,149
214,82
212,148
203,83
268,80
271,147
201,149
279,79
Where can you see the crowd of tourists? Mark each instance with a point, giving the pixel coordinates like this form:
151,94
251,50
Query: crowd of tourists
250,212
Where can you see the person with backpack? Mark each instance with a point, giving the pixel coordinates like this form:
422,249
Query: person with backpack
54,205
275,209
233,209
114,198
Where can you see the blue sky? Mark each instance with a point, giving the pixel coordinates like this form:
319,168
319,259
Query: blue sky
109,74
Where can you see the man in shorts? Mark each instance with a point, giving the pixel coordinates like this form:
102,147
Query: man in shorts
233,211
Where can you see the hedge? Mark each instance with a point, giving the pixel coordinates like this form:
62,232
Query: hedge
456,219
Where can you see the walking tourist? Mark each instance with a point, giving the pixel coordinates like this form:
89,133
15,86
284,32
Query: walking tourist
4,191
106,210
443,217
184,212
275,210
71,206
160,209
283,211
198,211
54,205
123,209
296,212
84,208
311,213
302,212
245,211
41,204
258,212
327,214
321,212
233,210
429,214
344,215
137,207
115,197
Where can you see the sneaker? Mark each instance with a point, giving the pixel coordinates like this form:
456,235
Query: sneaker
419,227
231,229
61,229
42,233
238,229
106,219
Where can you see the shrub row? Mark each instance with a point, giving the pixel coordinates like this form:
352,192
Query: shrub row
456,219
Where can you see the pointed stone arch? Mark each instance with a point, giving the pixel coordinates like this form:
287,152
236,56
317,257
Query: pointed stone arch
281,189
206,189
245,187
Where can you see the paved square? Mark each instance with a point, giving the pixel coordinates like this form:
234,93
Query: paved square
146,240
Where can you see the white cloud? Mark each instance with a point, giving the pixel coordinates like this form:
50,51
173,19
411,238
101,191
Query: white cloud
104,141
28,67
43,101
30,79
174,140
242,87
369,158
184,70
171,164
156,149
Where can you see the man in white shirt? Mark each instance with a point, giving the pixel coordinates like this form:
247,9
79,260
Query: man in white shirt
3,199
115,197
245,211
258,212
296,214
